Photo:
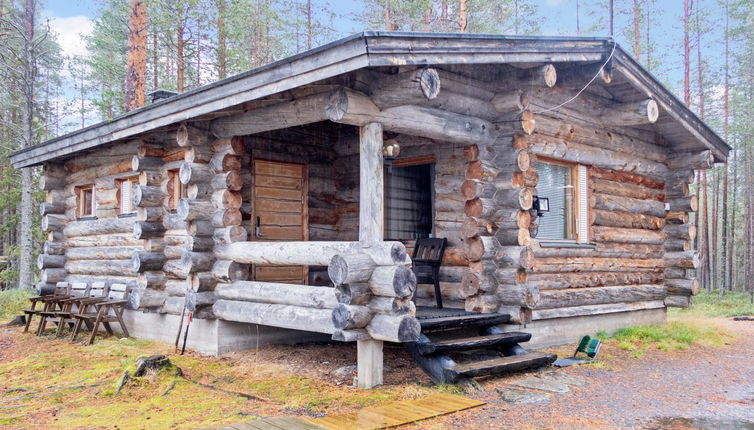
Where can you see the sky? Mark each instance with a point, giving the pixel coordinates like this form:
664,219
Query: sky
72,19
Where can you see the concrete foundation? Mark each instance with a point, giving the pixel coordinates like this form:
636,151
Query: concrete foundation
560,331
213,337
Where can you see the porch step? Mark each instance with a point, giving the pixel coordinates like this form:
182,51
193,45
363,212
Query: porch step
514,363
461,321
475,342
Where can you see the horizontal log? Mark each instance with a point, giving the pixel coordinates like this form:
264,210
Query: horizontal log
686,287
230,271
392,281
100,267
49,183
53,222
275,315
196,300
348,317
678,301
308,253
350,335
191,210
674,245
146,163
198,154
627,220
630,113
53,248
628,235
353,294
524,295
55,208
278,293
45,261
484,303
350,107
392,306
197,261
600,309
195,173
103,240
144,196
602,295
148,230
595,264
557,281
154,280
226,218
511,101
203,281
626,204
601,249
684,204
231,180
411,87
391,328
626,189
680,231
144,261
685,259
187,135
691,160
52,275
98,227
142,298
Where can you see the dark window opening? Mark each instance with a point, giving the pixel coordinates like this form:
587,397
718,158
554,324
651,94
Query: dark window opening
408,202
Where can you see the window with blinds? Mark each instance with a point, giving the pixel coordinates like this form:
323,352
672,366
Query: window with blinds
125,192
408,202
556,183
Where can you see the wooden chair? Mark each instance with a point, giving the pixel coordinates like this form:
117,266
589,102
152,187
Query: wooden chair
99,292
46,302
426,263
100,313
79,291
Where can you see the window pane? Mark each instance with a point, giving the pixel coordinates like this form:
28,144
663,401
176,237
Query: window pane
408,202
87,199
556,184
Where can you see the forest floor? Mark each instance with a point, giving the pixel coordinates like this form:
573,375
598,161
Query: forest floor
695,372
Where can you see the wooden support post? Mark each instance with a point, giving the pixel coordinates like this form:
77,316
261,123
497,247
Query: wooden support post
371,219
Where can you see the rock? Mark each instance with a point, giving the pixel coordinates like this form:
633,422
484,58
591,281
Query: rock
154,362
542,384
564,378
517,396
345,372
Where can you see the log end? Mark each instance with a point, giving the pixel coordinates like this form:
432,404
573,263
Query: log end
550,75
653,111
337,105
429,81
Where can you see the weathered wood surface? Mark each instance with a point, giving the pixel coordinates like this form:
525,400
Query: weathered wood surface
308,253
277,315
599,296
277,293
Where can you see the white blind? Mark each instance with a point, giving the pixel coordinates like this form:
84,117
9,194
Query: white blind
555,184
125,197
582,220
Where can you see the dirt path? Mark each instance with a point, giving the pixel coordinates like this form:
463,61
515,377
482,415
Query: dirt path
706,388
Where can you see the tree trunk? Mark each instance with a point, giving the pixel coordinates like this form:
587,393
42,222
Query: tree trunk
136,66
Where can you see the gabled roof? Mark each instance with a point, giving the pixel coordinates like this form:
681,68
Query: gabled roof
370,49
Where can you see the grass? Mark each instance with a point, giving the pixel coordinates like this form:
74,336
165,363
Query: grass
710,304
13,302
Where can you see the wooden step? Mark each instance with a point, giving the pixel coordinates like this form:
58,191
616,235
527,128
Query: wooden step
476,342
462,321
514,363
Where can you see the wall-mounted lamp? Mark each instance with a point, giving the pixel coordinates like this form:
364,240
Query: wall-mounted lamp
541,205
390,151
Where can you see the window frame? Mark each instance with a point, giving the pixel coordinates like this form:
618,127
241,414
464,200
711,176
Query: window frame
133,180
176,189
578,223
80,206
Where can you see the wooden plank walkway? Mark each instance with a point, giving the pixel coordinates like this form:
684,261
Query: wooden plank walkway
371,418
397,413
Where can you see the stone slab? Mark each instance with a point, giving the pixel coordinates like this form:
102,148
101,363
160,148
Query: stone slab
517,396
564,378
541,384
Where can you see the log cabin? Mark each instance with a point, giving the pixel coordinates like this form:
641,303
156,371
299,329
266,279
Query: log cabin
282,204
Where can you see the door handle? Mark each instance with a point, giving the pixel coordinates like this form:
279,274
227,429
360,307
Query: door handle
258,228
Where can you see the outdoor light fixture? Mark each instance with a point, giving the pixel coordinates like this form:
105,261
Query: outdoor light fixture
390,151
541,205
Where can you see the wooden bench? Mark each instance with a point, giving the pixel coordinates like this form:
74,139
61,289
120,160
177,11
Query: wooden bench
426,262
46,302
79,291
103,312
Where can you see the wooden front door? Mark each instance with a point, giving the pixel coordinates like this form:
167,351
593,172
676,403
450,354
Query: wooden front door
280,212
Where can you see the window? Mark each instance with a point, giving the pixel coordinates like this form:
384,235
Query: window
408,202
176,189
564,187
85,204
125,193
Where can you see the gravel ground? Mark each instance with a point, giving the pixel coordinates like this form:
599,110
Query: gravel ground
701,388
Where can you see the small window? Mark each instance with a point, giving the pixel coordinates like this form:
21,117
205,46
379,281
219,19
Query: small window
176,189
85,204
557,184
125,195
408,202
